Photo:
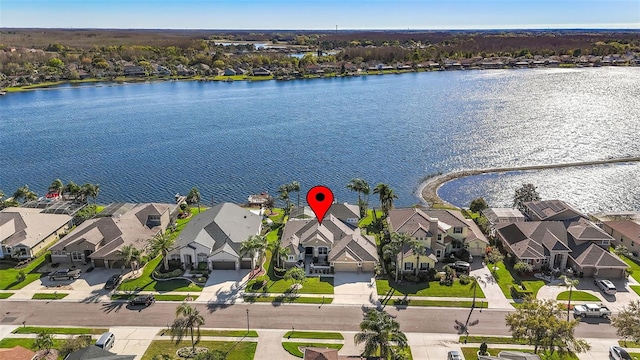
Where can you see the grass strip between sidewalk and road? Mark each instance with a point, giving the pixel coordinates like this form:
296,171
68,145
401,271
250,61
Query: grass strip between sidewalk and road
287,299
236,350
313,335
5,295
577,296
471,353
49,296
160,297
438,303
59,330
293,348
628,344
636,289
219,333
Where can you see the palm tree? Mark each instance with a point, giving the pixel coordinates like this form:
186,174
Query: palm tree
56,186
418,248
270,203
571,283
360,186
25,194
162,243
90,190
187,318
283,192
43,341
129,255
400,241
386,195
256,245
279,253
194,197
72,189
295,186
380,333
474,286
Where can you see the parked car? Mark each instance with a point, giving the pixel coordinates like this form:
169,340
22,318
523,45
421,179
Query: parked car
591,310
618,353
64,274
145,300
113,282
461,266
454,355
606,286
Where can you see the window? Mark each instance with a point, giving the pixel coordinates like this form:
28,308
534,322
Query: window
457,230
424,266
545,261
202,258
438,253
175,257
605,242
439,237
408,266
322,251
76,256
290,258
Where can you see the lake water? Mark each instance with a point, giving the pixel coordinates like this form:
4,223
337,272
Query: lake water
145,142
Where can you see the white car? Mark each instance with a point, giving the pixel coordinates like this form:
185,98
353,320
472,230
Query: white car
606,286
618,353
454,355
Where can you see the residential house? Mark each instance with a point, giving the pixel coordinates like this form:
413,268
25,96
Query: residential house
442,232
497,216
93,352
347,213
258,199
100,240
134,70
625,233
328,247
26,231
576,244
229,72
182,70
162,71
549,210
214,237
261,72
314,353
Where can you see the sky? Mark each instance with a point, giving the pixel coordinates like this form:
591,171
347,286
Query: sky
321,14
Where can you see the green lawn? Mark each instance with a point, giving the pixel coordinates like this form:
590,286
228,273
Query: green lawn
470,353
635,356
293,348
492,340
636,288
313,335
577,296
49,296
237,350
506,278
181,223
288,299
146,283
25,343
432,288
225,333
159,297
634,266
59,330
8,276
438,303
5,295
628,344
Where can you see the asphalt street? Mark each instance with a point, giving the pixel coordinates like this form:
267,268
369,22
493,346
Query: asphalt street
265,316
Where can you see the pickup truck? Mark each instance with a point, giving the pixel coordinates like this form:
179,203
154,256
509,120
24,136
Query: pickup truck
64,274
591,310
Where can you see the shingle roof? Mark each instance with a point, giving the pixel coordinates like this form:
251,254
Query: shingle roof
28,226
320,354
627,228
92,352
552,210
16,353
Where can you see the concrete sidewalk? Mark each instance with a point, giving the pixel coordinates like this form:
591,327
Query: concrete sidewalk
491,289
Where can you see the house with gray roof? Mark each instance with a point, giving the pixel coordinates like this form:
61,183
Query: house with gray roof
214,238
328,247
624,232
578,244
100,240
93,352
550,210
497,216
25,231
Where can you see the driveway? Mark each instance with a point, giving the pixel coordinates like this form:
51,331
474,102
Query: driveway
490,287
223,286
613,302
354,288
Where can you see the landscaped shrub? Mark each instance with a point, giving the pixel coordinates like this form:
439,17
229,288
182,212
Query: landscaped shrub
429,275
464,279
522,267
483,348
520,291
411,278
202,266
168,275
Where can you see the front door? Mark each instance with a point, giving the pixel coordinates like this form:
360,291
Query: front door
188,262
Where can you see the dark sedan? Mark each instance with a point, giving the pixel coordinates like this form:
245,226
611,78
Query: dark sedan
145,300
113,282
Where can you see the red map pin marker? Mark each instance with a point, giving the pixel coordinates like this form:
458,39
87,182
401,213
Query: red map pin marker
320,199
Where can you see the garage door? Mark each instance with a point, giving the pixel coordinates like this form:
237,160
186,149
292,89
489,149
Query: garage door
118,264
98,262
345,267
609,273
224,265
245,264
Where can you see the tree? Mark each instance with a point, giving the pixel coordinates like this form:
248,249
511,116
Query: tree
387,195
361,187
418,248
295,186
526,193
187,320
90,191
279,253
194,197
295,275
522,267
56,186
494,256
478,204
23,193
270,203
162,243
540,323
380,333
130,255
74,343
571,283
283,192
627,323
256,245
621,250
44,341
474,286
398,243
72,189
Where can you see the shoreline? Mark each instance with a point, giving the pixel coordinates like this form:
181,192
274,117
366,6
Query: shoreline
428,189
121,80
